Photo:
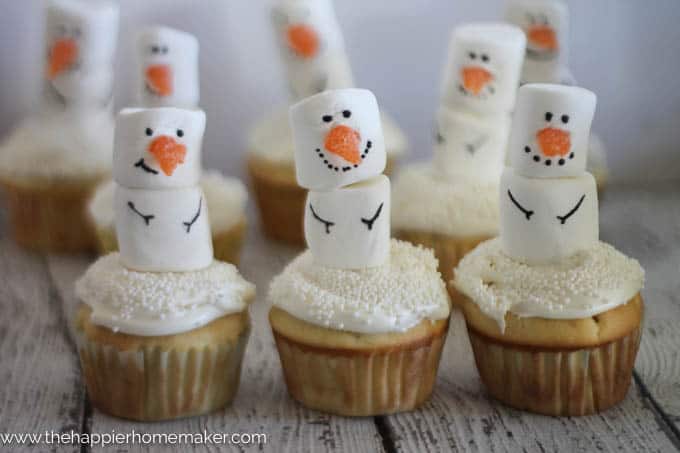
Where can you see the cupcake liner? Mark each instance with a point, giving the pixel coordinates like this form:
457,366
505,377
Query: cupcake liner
50,217
551,381
361,383
153,383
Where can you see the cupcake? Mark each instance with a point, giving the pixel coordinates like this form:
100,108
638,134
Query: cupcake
313,53
546,25
554,315
51,163
450,203
359,320
168,77
163,326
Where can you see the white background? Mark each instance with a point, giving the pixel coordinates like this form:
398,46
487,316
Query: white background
627,51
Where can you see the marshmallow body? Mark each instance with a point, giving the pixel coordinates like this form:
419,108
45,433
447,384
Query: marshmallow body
338,139
163,230
546,25
483,67
349,228
168,68
158,148
471,147
547,220
550,130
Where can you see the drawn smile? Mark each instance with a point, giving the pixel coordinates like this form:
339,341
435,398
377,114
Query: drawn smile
141,164
344,168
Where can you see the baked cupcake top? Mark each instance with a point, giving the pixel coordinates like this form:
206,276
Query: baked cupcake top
587,283
161,303
392,297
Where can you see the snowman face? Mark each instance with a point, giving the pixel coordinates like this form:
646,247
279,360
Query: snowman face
484,67
80,37
168,65
158,148
545,23
338,139
550,130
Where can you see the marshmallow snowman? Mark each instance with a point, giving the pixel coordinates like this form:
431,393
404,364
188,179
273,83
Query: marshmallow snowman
549,211
483,68
311,46
546,25
161,215
168,68
80,45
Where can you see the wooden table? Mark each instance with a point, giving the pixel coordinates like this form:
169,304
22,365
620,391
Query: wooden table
41,387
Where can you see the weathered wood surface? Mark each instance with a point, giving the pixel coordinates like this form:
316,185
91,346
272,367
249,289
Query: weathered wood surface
41,386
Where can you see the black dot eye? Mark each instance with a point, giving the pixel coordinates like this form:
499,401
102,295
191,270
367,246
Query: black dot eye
165,49
155,49
548,116
565,119
327,118
485,58
180,133
149,131
346,113
472,55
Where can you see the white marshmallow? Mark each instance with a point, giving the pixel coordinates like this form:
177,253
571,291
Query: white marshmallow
338,139
158,148
163,230
349,228
168,68
546,24
311,46
549,219
550,130
471,147
483,67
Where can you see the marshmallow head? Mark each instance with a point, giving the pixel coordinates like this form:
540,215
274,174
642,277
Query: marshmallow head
484,66
338,139
349,228
546,25
471,147
163,230
547,220
168,68
550,130
158,148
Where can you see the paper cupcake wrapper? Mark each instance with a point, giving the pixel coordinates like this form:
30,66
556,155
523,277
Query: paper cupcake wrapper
553,381
50,217
359,383
151,384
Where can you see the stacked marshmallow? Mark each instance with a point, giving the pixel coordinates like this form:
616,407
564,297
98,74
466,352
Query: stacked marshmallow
311,46
548,201
339,158
480,84
161,217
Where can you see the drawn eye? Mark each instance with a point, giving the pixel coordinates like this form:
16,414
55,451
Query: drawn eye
485,58
155,49
548,116
149,131
565,119
165,49
346,113
472,55
180,133
327,118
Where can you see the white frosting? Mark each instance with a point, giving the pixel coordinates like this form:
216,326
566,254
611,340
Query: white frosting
391,298
423,200
272,139
161,303
225,198
59,144
583,285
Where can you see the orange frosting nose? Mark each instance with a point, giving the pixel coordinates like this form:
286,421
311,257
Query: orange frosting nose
159,79
554,142
344,141
168,153
475,78
63,55
543,37
304,40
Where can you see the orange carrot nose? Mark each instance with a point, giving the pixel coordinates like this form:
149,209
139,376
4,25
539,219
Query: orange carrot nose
475,78
304,40
159,79
168,153
543,37
344,142
63,55
554,142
